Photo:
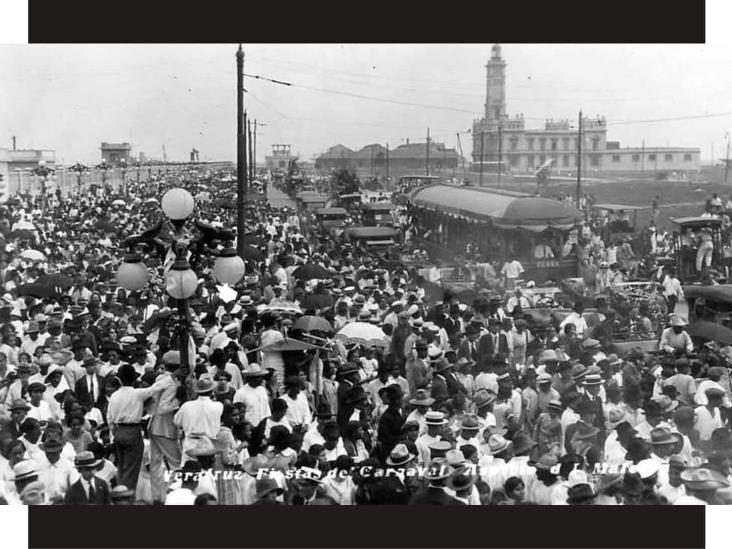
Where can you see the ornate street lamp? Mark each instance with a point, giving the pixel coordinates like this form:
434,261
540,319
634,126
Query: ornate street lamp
181,281
123,164
44,172
104,167
137,166
79,168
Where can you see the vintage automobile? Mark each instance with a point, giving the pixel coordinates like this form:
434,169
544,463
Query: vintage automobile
620,224
330,219
351,202
709,303
311,201
686,245
377,214
373,238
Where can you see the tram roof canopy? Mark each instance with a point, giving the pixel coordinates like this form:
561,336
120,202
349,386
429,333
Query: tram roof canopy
332,211
505,209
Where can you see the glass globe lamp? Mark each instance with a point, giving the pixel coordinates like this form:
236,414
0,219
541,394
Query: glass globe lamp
181,281
132,274
229,267
177,204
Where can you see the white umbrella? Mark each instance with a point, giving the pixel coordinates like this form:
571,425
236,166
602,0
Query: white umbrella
26,225
363,333
33,255
281,306
119,202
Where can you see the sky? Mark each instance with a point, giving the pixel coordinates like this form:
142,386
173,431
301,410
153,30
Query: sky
70,98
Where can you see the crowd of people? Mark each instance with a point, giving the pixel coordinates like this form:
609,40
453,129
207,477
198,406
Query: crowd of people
354,386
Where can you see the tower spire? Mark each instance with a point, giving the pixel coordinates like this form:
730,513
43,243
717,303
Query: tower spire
495,100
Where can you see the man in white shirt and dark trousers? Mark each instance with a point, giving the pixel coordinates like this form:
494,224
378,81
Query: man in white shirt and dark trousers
298,410
200,418
124,416
163,431
671,288
254,396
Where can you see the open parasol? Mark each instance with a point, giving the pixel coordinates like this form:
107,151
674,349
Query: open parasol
252,254
363,333
287,345
27,225
310,323
119,203
310,271
105,225
20,234
33,255
711,331
283,306
225,203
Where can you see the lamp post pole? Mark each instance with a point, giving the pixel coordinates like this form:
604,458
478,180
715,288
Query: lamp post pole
104,167
241,161
43,172
79,168
181,281
123,163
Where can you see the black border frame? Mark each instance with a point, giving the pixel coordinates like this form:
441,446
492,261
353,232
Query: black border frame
374,21
375,527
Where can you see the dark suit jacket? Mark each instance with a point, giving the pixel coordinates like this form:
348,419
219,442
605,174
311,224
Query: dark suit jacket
14,430
82,390
487,349
433,496
77,496
464,350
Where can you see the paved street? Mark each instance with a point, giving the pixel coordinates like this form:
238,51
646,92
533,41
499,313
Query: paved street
277,199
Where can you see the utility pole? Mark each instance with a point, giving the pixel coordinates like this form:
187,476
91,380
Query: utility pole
579,159
13,142
482,141
462,157
387,166
250,150
254,153
500,151
643,156
428,151
726,159
241,160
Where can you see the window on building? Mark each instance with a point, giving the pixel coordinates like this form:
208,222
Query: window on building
542,143
554,144
565,143
668,157
687,158
282,163
530,142
651,157
616,158
636,157
595,160
498,112
530,161
514,160
565,160
514,144
542,158
595,143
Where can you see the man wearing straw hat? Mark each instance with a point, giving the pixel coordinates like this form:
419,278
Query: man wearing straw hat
200,418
